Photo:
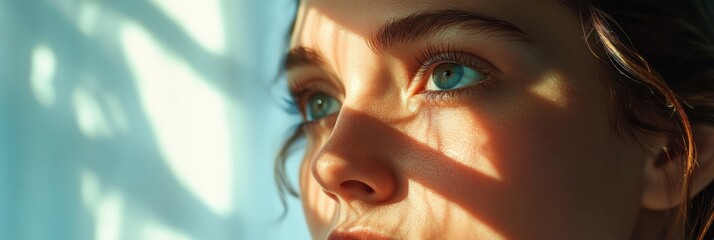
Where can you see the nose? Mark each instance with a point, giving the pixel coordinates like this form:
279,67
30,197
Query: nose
354,164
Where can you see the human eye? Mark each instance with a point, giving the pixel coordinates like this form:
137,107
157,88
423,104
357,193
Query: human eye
320,105
314,99
450,75
443,73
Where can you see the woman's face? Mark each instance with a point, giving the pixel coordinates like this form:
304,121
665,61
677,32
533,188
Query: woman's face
458,120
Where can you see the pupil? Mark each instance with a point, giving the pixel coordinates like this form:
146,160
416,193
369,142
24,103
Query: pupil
320,104
445,74
448,75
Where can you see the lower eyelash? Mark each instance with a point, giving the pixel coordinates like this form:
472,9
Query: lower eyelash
290,106
440,97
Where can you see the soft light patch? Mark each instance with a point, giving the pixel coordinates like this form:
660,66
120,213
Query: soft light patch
319,204
88,17
90,117
116,112
438,208
467,144
109,216
465,155
43,75
486,167
189,119
550,87
202,20
90,188
152,229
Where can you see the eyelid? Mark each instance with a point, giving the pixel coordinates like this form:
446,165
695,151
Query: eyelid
453,57
436,54
301,77
301,89
433,55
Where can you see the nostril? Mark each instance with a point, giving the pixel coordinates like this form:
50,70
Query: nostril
357,186
329,194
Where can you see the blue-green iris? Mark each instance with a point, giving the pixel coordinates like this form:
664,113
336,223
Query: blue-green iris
448,76
321,105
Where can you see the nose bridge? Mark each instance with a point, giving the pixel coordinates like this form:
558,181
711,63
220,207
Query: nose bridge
355,162
352,127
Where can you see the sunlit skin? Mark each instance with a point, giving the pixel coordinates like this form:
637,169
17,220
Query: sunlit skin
530,153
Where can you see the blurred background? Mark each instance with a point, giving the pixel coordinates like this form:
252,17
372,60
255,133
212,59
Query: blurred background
143,119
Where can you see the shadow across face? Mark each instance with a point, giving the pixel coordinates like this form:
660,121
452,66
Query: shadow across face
370,166
527,159
516,182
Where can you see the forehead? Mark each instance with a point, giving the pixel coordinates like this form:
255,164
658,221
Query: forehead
341,32
340,19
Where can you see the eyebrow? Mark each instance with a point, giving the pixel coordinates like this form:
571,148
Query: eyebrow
421,24
302,56
413,27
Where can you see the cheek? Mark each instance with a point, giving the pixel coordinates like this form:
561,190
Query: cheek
318,207
527,158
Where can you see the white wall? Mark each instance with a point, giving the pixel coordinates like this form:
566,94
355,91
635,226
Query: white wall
142,119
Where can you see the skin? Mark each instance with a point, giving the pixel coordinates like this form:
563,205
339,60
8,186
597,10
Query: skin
530,155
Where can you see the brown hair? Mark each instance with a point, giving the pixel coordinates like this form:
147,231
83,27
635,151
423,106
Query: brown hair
661,60
661,57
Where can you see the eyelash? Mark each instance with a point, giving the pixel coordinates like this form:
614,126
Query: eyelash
300,92
436,54
432,55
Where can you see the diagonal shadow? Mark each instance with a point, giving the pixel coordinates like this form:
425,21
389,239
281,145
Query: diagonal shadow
510,205
530,134
470,189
